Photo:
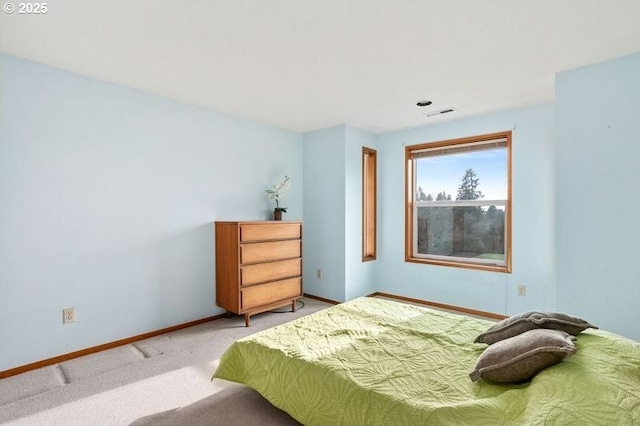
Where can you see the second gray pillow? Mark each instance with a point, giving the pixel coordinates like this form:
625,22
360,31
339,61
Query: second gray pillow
531,320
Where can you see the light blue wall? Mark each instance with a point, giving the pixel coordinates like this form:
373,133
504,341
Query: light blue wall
533,218
107,198
598,158
324,213
333,214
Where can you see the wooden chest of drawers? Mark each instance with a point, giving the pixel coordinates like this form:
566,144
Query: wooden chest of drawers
258,266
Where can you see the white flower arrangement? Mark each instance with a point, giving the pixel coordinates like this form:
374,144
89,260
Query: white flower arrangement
276,191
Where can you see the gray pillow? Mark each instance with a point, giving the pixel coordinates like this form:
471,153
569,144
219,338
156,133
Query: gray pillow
521,357
525,321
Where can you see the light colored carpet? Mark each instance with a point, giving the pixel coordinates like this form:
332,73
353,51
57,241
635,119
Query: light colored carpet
165,380
235,405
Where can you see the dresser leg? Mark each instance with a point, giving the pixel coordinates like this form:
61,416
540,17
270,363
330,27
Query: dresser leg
293,305
246,320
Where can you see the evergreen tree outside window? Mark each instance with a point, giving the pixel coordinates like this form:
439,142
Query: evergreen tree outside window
458,202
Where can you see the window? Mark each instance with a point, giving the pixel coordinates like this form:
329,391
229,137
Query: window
368,204
458,202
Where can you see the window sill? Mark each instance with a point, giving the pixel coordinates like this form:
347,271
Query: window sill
506,269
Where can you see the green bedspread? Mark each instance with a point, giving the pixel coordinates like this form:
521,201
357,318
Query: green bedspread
377,362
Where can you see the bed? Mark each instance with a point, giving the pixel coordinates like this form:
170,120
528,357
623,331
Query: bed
373,361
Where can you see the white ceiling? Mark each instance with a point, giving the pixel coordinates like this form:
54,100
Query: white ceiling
309,64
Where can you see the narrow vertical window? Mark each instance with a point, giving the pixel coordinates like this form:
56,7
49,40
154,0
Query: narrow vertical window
369,217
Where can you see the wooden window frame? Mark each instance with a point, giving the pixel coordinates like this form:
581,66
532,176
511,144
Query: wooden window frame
410,192
369,203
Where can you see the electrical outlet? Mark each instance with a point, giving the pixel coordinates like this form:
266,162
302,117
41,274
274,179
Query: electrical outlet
522,290
319,274
68,315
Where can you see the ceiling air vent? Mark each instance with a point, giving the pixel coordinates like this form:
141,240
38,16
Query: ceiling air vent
439,113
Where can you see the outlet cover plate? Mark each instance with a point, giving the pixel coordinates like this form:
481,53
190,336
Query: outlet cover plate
68,315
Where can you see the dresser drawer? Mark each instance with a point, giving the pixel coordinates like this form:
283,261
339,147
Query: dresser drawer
258,295
279,231
270,271
264,252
